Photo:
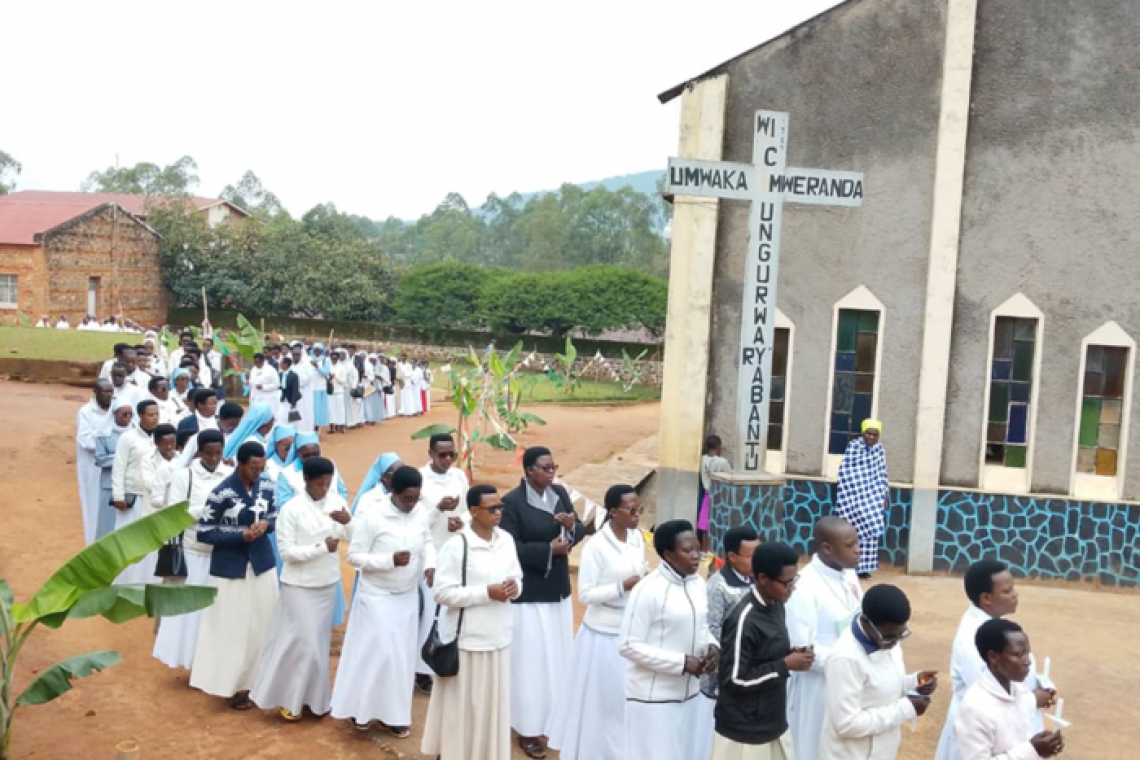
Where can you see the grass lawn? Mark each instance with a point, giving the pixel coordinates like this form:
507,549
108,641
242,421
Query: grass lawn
59,345
538,389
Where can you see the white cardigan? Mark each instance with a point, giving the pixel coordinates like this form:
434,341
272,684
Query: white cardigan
605,564
666,619
302,527
135,466
993,723
379,534
866,702
487,624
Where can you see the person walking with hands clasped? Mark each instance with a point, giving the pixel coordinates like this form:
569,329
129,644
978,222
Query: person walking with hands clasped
477,575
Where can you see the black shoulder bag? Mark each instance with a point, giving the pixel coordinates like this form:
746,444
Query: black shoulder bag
442,658
171,561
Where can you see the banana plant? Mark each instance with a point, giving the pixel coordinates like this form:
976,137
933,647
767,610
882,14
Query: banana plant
82,588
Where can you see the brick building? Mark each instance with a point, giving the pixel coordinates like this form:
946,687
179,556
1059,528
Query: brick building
85,253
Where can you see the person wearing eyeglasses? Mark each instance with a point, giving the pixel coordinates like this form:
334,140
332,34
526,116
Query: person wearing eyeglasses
756,659
391,546
592,726
444,499
540,517
869,693
468,717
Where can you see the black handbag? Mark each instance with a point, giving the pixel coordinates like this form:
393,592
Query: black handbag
294,415
442,658
171,561
357,392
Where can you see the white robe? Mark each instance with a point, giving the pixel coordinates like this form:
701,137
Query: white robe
966,667
307,378
90,424
821,609
410,396
270,391
993,724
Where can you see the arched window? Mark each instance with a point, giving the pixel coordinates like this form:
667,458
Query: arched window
857,353
1104,399
779,407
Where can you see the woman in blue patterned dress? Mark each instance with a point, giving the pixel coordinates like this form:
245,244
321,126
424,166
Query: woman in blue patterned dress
863,494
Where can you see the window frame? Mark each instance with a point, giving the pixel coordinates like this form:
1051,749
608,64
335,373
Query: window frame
776,462
998,478
12,305
1092,486
859,299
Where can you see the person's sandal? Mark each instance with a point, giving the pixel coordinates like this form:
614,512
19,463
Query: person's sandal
532,748
241,701
361,727
400,732
289,716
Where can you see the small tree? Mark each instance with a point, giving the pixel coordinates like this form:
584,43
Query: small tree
82,588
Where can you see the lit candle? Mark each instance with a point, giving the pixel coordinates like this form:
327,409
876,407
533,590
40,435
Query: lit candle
1048,662
1060,707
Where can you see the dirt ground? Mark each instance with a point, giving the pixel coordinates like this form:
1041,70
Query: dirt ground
1091,636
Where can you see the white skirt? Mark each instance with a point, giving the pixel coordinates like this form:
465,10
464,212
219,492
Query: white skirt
725,749
705,726
142,572
590,723
338,412
178,636
662,730
542,655
377,670
294,668
807,702
233,633
467,717
427,617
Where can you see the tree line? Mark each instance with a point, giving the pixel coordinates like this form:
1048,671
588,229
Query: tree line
568,261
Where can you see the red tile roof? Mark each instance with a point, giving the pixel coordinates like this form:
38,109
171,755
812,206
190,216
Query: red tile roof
27,213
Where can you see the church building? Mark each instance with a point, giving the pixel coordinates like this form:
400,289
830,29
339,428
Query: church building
979,302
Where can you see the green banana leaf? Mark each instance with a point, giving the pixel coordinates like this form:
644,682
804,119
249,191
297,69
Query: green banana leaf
99,564
528,417
57,679
431,430
5,598
122,603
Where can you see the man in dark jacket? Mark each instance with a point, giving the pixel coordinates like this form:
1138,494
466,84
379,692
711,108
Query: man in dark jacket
540,517
755,659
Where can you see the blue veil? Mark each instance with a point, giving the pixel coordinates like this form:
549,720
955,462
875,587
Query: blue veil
382,464
258,415
278,434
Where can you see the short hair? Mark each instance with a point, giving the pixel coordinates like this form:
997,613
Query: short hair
183,437
165,429
406,477
118,366
738,535
770,559
207,437
287,361
154,381
712,442
250,450
979,578
121,347
258,355
186,334
187,361
533,454
202,395
475,494
316,467
886,604
440,438
993,636
230,411
144,404
665,537
615,494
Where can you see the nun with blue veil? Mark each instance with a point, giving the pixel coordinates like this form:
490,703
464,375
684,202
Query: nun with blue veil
255,425
374,490
291,481
280,452
321,390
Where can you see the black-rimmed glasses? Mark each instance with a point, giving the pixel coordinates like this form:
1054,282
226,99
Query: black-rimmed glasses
883,639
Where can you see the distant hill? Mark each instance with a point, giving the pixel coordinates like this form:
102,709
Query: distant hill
645,182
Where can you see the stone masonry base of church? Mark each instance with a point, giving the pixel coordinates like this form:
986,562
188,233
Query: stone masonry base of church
1049,538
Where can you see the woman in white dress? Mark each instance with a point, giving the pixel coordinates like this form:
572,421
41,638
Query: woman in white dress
338,402
178,636
477,576
591,726
132,483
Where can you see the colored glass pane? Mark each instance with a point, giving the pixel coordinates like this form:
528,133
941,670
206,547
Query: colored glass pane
1086,460
865,352
838,443
848,330
864,383
1111,411
1018,423
1106,462
1023,360
841,398
1090,421
844,361
999,402
1094,361
869,322
1015,456
1003,369
1003,338
860,410
1019,392
841,423
1115,362
1094,383
776,413
1108,437
995,432
1025,329
995,453
775,437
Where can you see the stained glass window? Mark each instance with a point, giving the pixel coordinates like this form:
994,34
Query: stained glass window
1102,407
776,410
1011,390
853,390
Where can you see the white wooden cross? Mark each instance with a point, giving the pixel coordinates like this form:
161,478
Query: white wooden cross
766,183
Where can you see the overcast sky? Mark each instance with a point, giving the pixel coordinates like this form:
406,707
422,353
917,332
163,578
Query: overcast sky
379,107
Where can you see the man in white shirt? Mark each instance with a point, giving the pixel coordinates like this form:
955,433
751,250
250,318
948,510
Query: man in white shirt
185,338
120,349
992,594
992,724
171,409
392,547
91,421
264,384
826,601
444,498
293,672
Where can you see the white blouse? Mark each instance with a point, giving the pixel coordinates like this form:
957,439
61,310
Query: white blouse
302,527
606,563
487,624
381,532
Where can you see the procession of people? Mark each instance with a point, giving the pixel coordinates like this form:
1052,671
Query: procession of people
759,657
